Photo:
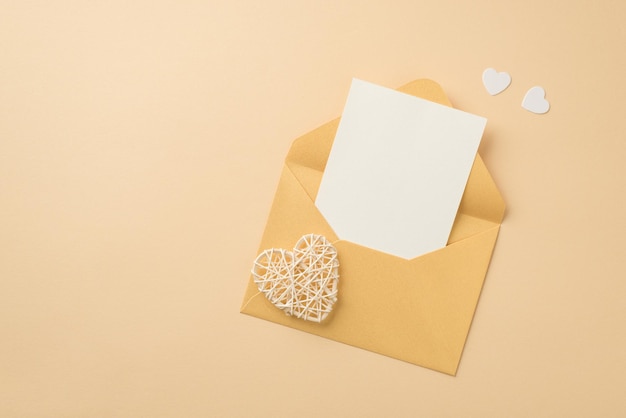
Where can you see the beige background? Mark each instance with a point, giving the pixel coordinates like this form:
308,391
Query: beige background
140,147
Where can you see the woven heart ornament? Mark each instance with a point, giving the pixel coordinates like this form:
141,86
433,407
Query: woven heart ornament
302,283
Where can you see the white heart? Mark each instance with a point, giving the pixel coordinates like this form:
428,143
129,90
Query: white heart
302,283
495,82
534,101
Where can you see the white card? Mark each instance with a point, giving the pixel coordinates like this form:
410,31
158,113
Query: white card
397,170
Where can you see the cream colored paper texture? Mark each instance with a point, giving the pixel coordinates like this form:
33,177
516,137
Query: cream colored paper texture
418,310
397,170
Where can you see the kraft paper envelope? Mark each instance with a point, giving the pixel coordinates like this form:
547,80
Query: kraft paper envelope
417,310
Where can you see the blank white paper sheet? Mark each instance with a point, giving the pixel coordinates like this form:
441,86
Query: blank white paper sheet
397,170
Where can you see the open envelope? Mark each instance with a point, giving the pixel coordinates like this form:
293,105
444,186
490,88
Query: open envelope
417,310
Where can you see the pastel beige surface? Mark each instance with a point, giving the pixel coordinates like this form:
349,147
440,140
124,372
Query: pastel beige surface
140,148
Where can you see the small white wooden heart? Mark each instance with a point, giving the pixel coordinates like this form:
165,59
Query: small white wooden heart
302,283
496,82
535,100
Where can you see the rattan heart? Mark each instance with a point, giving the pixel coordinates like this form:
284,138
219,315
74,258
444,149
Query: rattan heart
302,283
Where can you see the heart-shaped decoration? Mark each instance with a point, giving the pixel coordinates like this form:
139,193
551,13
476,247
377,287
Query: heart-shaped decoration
303,283
496,82
535,101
